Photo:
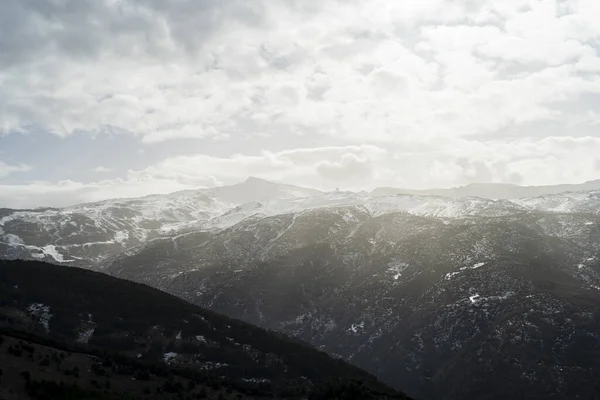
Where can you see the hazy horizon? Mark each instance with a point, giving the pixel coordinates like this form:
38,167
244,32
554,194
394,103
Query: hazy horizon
110,99
40,204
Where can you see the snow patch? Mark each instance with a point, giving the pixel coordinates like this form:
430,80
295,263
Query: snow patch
451,275
201,339
85,335
42,313
355,328
169,357
478,265
476,298
13,240
211,365
397,269
121,236
256,380
50,250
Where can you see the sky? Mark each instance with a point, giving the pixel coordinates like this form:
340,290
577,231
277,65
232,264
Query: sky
123,98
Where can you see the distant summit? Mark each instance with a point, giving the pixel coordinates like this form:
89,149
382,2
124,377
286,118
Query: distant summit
258,189
495,191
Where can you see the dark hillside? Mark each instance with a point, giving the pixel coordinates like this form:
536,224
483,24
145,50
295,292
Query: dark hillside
93,312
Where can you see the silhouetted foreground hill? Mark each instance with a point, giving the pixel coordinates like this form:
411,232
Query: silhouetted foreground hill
73,334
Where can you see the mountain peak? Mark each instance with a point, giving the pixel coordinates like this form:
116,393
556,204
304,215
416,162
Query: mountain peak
255,180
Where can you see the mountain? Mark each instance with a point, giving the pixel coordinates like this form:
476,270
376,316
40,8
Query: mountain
444,298
493,190
118,329
88,233
260,190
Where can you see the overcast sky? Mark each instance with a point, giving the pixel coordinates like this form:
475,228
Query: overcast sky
120,98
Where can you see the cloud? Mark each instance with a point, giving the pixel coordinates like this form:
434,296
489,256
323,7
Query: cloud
351,70
63,193
102,169
415,93
314,167
456,162
7,170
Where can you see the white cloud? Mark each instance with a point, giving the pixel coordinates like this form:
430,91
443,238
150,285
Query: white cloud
7,169
551,160
319,167
348,69
102,169
315,167
415,93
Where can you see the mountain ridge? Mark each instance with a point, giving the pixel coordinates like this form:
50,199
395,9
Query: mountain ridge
494,190
106,313
396,284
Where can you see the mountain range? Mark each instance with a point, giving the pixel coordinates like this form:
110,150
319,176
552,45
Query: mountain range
97,334
494,190
480,292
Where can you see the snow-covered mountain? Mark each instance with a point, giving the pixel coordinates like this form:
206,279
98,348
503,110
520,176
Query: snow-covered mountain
89,233
431,293
433,296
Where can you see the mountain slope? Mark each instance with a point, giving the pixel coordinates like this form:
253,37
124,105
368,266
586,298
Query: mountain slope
89,234
73,306
86,234
433,305
399,285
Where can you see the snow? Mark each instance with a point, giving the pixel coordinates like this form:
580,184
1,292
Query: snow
396,269
211,365
476,298
256,380
566,202
355,328
85,335
51,251
169,357
87,331
451,275
234,216
178,337
126,221
121,236
13,240
42,313
201,339
431,206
